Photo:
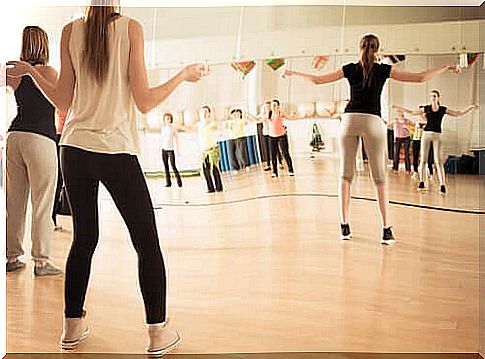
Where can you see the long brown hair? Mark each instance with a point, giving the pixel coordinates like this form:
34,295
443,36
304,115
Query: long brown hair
35,46
96,47
369,45
437,94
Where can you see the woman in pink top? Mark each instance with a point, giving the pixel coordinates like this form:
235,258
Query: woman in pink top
402,136
278,137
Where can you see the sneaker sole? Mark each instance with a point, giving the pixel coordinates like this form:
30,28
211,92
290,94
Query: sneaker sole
47,274
388,242
15,269
161,352
71,345
346,238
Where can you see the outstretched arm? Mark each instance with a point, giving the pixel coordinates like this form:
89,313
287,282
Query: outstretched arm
327,78
406,76
457,113
145,97
410,112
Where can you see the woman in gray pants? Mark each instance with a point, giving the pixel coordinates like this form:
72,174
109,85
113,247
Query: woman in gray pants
31,160
362,118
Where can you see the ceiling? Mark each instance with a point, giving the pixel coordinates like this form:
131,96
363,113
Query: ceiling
175,23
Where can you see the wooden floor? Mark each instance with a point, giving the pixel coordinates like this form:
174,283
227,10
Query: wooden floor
260,268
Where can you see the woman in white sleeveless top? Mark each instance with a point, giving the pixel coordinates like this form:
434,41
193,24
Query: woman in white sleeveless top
102,78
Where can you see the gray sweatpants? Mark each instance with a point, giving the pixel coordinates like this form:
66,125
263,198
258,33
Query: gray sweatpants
31,167
373,131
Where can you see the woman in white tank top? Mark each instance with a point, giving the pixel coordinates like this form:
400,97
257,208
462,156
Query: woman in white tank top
102,79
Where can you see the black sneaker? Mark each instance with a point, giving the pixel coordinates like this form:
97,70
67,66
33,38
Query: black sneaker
345,232
421,186
168,185
387,236
443,189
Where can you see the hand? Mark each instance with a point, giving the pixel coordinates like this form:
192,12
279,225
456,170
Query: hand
476,105
194,72
18,68
454,68
287,73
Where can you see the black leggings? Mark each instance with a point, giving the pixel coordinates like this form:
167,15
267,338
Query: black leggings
268,151
397,151
206,167
281,141
122,176
55,207
166,156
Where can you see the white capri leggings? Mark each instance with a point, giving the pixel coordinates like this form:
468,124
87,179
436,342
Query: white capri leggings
373,131
429,138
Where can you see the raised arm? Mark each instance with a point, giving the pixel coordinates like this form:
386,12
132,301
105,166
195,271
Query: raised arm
145,97
406,76
326,78
457,113
410,112
60,90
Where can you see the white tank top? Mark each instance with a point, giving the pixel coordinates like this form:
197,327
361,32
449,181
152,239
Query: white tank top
102,119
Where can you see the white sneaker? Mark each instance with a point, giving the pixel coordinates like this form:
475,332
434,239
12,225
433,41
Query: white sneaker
74,330
161,340
235,172
247,169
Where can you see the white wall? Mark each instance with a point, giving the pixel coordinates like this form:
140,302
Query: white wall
225,88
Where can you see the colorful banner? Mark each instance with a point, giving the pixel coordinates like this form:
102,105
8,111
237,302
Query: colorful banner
275,64
392,59
244,67
471,57
319,62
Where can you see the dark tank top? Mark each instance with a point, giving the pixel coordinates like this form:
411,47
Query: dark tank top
35,113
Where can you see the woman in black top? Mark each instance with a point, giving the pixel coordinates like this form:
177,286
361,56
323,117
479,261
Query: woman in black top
31,160
434,114
362,119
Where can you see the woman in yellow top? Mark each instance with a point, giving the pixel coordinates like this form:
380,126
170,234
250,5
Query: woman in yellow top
237,145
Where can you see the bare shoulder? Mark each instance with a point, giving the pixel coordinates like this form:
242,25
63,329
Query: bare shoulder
66,29
134,28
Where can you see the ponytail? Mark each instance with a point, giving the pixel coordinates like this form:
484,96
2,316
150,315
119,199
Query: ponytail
369,45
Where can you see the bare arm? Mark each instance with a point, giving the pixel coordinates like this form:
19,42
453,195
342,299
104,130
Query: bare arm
145,97
327,78
457,113
60,90
406,76
410,112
